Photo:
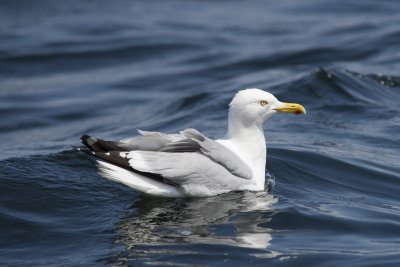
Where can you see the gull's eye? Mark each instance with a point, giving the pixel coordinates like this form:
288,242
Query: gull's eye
263,102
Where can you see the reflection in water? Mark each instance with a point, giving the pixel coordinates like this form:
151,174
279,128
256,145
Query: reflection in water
231,219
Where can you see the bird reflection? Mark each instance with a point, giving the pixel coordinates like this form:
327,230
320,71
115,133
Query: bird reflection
234,219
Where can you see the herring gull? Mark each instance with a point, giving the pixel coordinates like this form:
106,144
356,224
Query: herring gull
190,164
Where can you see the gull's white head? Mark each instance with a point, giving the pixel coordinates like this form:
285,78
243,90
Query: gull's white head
256,106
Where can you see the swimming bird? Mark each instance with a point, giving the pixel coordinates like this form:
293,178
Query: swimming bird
190,164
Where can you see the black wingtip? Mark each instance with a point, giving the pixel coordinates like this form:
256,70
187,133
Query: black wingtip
92,143
83,140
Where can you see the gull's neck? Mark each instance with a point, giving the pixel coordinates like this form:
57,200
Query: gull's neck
243,130
246,139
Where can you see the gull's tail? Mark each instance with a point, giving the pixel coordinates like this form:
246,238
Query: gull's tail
114,165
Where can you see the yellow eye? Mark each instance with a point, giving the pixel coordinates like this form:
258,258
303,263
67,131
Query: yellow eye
263,102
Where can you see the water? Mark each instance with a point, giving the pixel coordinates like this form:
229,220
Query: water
108,68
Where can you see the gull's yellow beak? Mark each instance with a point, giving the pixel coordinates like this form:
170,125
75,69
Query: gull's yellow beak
292,108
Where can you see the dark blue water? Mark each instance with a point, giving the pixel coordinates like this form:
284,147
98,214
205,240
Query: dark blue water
107,68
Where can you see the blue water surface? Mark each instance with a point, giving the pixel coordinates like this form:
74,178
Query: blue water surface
108,68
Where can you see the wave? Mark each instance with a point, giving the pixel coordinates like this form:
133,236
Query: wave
336,175
340,87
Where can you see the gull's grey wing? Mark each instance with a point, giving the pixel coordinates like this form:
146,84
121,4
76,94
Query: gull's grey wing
147,141
196,142
184,145
189,160
194,172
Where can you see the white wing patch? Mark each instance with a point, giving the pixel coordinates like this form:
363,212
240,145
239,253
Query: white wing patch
123,154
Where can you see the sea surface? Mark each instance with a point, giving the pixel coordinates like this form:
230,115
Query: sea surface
108,68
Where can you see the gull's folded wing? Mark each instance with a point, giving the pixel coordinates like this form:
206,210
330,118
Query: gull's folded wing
195,141
186,160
